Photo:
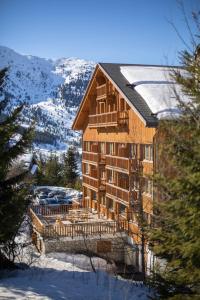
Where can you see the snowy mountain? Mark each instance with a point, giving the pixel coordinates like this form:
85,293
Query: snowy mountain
51,90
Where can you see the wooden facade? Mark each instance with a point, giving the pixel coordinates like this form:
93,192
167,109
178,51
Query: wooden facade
117,156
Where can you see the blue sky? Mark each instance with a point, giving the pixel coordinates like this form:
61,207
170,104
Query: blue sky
129,31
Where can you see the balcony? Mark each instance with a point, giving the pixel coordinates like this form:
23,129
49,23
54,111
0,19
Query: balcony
102,186
117,192
101,92
114,118
136,165
103,120
91,182
147,167
90,156
121,163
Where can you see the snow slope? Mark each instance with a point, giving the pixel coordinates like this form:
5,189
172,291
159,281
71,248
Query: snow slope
61,276
51,89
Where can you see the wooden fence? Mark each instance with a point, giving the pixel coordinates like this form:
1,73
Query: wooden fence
83,229
75,229
50,210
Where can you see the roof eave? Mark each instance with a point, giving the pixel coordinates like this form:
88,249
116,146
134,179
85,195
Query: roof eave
74,125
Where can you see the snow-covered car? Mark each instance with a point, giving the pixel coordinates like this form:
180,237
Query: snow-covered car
64,201
80,195
41,197
51,201
60,195
42,202
40,190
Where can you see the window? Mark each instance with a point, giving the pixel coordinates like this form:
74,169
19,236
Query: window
110,203
94,147
135,184
110,174
103,200
94,195
103,148
111,148
122,150
87,146
101,107
133,150
87,171
148,152
93,171
148,186
122,104
103,174
122,209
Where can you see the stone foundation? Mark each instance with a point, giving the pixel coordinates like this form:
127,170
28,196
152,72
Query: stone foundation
110,247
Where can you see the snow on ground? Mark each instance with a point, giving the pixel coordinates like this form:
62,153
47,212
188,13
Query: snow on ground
61,276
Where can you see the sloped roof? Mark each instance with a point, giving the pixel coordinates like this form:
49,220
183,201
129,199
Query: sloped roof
133,81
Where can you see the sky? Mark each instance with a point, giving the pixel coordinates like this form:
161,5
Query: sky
123,31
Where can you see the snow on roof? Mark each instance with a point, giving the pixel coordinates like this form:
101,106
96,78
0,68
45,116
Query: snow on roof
139,74
157,88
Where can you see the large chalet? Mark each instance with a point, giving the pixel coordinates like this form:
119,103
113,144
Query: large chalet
118,116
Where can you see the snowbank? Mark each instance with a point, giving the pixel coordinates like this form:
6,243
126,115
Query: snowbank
59,276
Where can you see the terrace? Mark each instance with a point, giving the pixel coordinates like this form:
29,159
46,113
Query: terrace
71,221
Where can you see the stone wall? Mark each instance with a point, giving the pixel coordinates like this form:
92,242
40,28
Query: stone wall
111,247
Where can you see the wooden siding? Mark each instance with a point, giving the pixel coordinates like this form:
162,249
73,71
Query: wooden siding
109,119
117,192
135,133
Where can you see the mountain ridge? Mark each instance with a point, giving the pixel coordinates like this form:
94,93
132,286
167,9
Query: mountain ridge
51,90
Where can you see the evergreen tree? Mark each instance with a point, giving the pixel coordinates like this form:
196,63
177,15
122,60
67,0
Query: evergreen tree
53,170
13,200
40,177
49,171
175,236
70,168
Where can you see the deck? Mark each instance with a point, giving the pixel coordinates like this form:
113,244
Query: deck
72,221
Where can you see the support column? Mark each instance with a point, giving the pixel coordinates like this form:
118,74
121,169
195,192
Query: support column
98,204
140,258
83,198
90,200
107,210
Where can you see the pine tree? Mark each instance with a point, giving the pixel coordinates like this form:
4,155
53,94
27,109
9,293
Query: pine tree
13,200
175,237
53,170
70,168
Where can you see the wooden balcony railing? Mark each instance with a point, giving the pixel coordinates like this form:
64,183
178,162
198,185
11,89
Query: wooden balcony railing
90,156
84,229
102,186
136,165
114,118
118,162
93,173
122,117
101,91
147,167
117,192
90,181
102,120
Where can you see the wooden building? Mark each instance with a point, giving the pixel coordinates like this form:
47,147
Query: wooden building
118,116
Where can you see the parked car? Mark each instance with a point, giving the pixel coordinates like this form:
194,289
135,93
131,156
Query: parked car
64,201
51,201
42,202
51,194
